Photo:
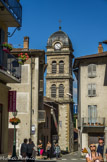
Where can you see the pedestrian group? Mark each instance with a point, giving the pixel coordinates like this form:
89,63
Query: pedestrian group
29,151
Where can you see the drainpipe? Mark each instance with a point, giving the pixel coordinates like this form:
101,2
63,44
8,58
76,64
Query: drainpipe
31,101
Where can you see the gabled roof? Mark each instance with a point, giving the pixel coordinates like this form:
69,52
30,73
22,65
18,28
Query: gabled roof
79,59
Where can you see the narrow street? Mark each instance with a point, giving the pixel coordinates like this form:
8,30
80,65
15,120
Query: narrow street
72,157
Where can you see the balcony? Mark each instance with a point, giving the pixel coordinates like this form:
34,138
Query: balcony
41,116
10,70
11,13
93,122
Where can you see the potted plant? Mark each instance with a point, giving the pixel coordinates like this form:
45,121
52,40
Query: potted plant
7,47
22,57
14,121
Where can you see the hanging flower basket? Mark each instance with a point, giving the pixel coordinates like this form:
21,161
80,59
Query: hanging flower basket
22,57
6,47
20,61
14,121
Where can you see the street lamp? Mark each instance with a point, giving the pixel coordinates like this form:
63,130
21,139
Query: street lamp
14,141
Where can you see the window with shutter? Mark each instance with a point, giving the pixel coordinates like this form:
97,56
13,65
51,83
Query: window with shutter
91,90
54,67
61,90
53,91
92,113
91,70
61,67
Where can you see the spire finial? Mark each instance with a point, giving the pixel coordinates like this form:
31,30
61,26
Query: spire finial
60,24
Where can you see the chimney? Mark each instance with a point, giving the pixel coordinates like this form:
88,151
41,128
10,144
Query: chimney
26,43
100,47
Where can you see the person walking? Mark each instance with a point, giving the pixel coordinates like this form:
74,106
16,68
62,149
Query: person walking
23,149
30,147
48,150
100,148
93,156
40,147
57,150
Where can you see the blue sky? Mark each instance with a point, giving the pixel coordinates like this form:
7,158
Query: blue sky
85,22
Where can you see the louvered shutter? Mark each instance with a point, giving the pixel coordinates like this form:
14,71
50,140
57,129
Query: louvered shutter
89,90
89,113
94,70
61,67
54,67
53,91
61,90
93,89
89,70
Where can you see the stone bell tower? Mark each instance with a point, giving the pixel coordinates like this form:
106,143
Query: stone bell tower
59,84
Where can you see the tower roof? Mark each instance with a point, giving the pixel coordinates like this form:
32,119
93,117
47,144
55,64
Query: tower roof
59,36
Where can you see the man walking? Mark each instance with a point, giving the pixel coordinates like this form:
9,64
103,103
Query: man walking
100,148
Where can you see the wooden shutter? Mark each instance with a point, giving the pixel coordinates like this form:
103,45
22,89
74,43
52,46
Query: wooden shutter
94,70
93,89
89,90
89,70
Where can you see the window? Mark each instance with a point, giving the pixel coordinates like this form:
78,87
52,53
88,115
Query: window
61,90
61,67
92,113
91,90
54,67
91,70
53,90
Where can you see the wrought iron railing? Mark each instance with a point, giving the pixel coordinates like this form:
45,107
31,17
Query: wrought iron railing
98,121
9,64
15,9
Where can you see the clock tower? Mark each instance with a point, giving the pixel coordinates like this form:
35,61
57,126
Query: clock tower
59,84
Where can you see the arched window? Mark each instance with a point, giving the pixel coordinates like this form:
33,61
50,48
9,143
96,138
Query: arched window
61,90
61,67
54,67
53,90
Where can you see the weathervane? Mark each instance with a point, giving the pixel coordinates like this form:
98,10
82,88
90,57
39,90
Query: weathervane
60,24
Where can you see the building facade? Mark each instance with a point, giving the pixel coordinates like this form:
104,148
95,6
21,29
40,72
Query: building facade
29,101
48,131
8,72
91,74
59,84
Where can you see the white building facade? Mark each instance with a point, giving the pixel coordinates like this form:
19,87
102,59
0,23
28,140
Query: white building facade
91,74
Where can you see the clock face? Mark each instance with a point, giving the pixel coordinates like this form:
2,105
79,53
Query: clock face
57,46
